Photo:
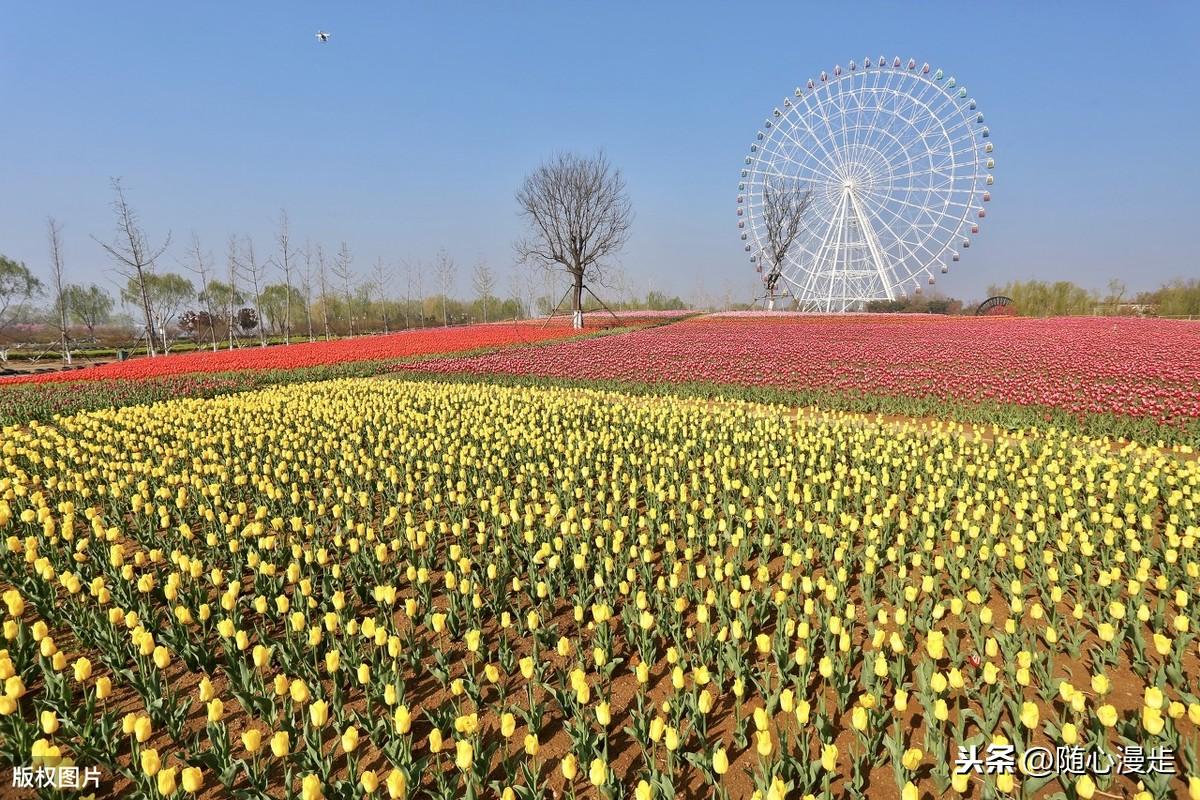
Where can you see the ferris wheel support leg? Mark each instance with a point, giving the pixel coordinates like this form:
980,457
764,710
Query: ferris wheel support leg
873,247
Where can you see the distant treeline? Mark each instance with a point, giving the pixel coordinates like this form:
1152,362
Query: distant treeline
1178,298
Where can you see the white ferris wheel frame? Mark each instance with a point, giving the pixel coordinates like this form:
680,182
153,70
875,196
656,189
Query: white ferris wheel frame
899,164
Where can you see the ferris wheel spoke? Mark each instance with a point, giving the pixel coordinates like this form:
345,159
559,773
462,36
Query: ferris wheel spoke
805,166
803,120
821,110
899,241
824,168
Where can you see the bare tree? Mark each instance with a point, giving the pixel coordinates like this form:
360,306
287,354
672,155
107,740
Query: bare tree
134,256
420,294
307,288
255,272
579,216
324,282
58,284
343,271
784,204
381,276
514,289
408,280
446,270
199,266
231,262
484,281
286,261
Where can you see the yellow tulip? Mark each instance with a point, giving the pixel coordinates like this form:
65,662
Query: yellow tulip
281,744
569,766
369,781
397,785
598,772
464,755
1029,715
403,719
311,788
829,757
350,739
150,762
298,690
1152,721
318,713
192,779
935,645
166,781
720,761
252,740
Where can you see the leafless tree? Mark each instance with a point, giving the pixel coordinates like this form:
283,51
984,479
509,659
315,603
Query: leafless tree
420,273
408,282
446,270
134,256
199,266
59,285
324,282
579,216
484,281
343,271
515,289
255,272
306,288
231,263
286,260
381,277
784,204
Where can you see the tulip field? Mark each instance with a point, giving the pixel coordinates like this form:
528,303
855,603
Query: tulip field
615,566
1121,376
211,373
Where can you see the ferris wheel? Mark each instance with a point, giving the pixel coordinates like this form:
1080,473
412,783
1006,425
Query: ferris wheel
884,169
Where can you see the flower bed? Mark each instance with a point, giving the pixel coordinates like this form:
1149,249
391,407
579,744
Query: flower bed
397,589
1115,367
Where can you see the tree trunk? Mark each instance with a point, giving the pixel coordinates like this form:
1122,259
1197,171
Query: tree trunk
148,313
577,302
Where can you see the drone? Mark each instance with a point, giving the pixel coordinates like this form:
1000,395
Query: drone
322,36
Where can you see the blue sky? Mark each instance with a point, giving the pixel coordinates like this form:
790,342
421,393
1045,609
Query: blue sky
411,129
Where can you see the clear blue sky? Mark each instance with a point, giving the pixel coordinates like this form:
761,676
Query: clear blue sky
411,129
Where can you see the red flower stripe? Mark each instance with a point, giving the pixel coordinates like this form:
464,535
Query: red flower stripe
1127,366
